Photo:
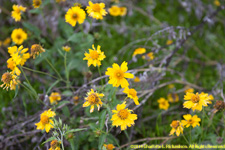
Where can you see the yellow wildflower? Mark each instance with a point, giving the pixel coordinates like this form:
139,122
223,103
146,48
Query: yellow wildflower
176,127
217,2
196,101
190,121
109,146
132,93
94,56
149,56
45,120
54,97
18,36
136,79
117,75
18,55
37,3
122,117
189,90
66,48
93,98
169,42
114,11
172,97
123,11
16,13
139,51
12,65
9,81
96,10
75,14
163,103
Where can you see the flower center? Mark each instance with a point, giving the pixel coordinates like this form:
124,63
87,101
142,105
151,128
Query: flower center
94,55
6,77
175,124
93,99
96,8
132,92
44,119
190,121
37,2
119,74
195,98
109,147
123,114
18,37
74,16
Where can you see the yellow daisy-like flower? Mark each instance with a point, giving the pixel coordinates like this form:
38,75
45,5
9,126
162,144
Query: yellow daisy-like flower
169,42
217,2
66,48
132,93
172,97
16,13
37,3
74,15
137,79
55,145
18,36
94,56
109,146
139,51
54,97
122,117
45,120
163,103
96,10
36,49
93,98
196,101
117,75
12,65
18,55
190,121
9,81
177,127
123,11
7,41
150,56
114,11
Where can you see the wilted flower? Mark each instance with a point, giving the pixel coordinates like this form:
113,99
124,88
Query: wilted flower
55,145
176,127
9,81
36,49
122,117
219,106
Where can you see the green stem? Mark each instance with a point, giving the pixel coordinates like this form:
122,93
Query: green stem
24,75
99,71
61,138
66,71
53,68
185,139
203,124
190,136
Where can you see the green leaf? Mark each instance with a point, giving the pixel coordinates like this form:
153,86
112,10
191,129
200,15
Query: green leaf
49,139
33,92
75,130
67,93
32,28
101,141
16,91
66,111
54,84
102,119
63,102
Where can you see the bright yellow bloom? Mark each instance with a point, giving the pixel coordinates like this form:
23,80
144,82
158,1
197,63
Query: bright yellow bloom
18,36
45,120
55,145
132,93
149,56
96,10
163,103
94,56
114,11
172,97
74,15
7,41
177,127
117,75
37,3
122,117
196,101
109,146
139,51
36,49
217,2
189,90
16,13
18,55
66,48
136,79
190,121
9,81
93,98
12,65
123,11
54,97
169,42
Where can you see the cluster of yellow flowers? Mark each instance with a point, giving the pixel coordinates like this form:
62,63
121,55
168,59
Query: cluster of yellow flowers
117,11
16,13
149,56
